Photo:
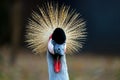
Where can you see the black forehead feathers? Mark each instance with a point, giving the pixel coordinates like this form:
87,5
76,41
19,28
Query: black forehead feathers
59,36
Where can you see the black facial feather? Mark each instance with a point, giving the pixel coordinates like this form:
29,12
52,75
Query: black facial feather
59,36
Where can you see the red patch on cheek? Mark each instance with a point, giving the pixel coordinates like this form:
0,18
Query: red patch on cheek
50,37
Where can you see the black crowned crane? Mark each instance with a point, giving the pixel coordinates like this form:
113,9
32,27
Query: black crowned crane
57,31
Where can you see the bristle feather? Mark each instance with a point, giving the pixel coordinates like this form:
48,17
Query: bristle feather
51,16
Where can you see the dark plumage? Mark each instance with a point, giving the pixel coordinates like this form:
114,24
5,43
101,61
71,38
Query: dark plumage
59,36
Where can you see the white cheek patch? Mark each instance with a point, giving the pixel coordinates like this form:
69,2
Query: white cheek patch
50,46
65,48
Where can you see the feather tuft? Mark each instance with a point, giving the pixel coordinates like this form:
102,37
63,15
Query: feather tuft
42,25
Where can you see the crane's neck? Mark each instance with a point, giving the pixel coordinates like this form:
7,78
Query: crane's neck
63,74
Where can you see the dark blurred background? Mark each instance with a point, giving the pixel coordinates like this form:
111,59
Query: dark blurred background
103,27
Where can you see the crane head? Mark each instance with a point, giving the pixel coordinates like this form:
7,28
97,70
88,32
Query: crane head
56,47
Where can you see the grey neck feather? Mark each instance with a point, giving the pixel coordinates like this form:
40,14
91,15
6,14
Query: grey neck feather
63,74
